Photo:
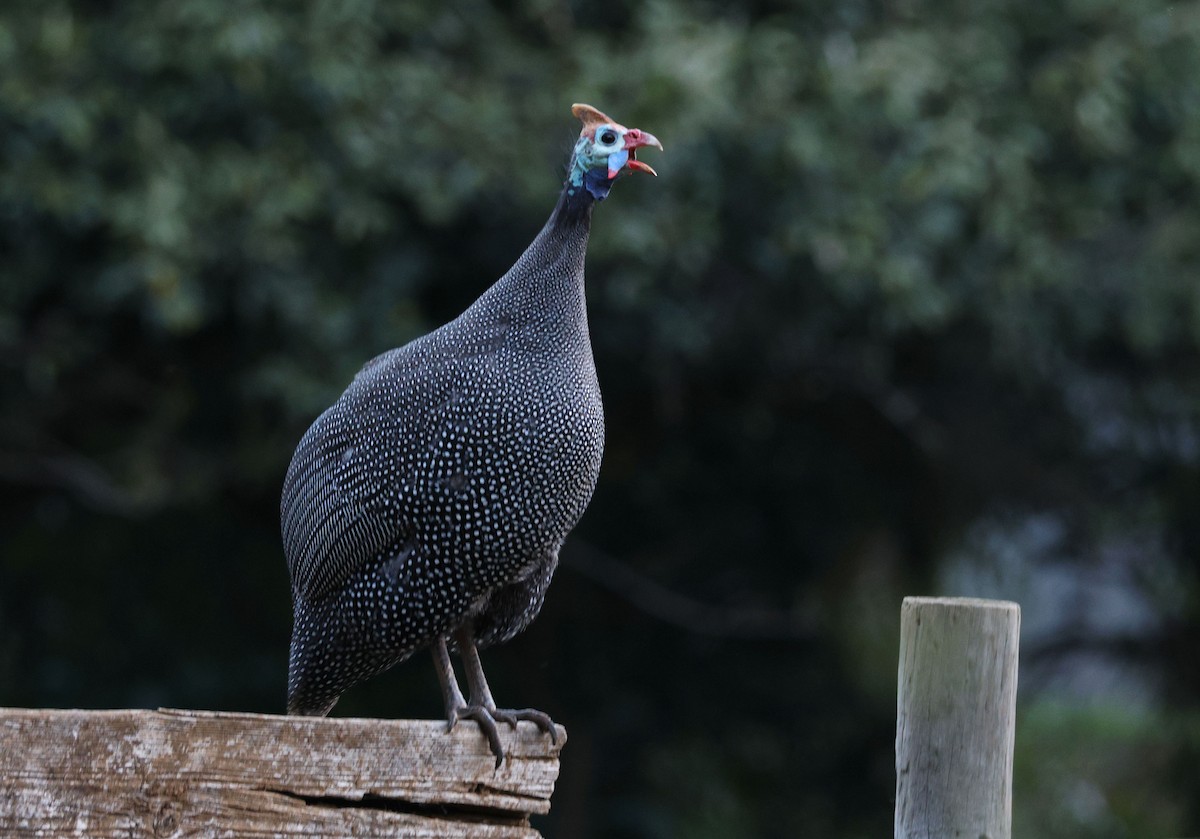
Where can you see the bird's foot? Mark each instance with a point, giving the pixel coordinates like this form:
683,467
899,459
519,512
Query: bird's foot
487,717
487,724
539,718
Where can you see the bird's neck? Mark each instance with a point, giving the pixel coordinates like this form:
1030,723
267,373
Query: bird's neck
573,213
545,285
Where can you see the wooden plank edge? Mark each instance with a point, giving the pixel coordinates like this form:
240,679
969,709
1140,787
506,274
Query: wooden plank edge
464,784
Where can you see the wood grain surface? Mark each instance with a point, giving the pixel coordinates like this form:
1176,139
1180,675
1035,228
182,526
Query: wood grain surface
171,773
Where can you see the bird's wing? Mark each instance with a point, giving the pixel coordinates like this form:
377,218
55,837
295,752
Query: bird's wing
344,498
355,486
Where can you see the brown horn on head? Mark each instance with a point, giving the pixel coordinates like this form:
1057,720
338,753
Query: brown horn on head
591,117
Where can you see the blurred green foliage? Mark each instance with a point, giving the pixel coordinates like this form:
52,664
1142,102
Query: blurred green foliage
914,276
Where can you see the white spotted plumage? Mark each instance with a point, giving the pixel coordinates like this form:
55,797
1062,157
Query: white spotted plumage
439,488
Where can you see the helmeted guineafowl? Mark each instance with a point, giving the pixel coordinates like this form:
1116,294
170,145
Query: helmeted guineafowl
427,506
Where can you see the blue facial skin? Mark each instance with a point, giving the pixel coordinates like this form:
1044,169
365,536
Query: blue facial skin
590,170
596,182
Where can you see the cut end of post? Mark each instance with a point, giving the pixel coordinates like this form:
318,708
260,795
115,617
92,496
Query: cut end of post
965,602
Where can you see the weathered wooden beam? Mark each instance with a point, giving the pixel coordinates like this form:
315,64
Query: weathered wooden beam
956,718
172,773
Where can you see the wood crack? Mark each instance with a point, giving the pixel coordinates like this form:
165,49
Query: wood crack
94,773
446,812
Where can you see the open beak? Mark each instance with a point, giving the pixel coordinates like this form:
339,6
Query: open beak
635,138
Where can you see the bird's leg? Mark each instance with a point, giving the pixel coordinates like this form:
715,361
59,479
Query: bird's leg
457,707
481,694
445,672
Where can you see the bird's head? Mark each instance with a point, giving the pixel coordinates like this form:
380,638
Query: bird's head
605,148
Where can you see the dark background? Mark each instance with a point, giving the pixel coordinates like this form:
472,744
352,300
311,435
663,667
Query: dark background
912,309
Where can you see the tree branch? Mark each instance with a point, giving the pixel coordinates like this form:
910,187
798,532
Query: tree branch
671,607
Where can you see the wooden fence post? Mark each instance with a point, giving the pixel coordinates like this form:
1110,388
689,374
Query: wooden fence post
955,718
199,773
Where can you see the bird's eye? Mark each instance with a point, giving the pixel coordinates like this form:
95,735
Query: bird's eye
608,137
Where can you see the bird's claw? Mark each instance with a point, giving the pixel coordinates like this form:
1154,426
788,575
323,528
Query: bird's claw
539,718
487,724
488,717
500,715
